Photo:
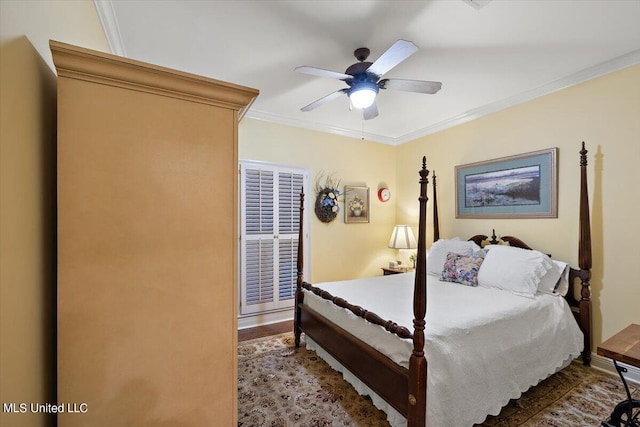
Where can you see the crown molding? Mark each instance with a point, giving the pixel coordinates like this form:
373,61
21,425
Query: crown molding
275,118
98,67
109,22
615,64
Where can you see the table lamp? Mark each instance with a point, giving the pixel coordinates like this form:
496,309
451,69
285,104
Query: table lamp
402,238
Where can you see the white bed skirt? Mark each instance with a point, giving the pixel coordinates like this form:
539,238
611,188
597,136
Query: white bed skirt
394,417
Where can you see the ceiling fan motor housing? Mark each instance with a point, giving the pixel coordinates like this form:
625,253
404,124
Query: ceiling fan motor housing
358,68
362,81
360,85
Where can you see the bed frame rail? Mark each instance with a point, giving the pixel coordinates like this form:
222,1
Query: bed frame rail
369,316
376,370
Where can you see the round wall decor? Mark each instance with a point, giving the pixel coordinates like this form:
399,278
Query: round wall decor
384,194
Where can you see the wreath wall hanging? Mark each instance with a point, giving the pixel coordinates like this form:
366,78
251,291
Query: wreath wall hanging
327,198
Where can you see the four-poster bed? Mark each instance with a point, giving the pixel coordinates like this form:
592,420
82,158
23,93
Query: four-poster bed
402,384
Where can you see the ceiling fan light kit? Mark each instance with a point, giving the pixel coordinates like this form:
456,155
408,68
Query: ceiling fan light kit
363,95
363,79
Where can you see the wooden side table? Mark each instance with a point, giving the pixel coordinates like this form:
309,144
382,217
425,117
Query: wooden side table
388,271
624,347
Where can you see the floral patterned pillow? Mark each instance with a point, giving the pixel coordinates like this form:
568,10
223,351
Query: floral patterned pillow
462,268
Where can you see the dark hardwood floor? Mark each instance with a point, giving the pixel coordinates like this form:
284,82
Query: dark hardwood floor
265,331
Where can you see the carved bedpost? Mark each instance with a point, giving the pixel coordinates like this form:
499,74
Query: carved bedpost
299,265
584,258
436,222
417,399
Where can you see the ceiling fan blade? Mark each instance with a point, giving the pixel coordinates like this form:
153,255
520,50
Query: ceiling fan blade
419,86
324,99
398,52
323,73
370,112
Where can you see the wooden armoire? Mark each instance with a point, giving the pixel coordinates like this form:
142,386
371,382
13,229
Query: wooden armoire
147,242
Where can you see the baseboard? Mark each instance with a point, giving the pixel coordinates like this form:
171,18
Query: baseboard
265,319
604,364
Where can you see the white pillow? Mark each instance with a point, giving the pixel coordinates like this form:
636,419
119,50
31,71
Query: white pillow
562,287
514,269
439,250
550,281
488,247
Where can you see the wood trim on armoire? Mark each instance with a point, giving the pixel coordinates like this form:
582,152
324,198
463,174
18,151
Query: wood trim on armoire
98,67
147,191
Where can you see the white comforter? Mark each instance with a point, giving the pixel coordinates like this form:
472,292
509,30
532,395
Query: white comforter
483,346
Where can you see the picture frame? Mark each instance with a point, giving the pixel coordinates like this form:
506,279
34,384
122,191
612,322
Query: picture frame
520,186
356,204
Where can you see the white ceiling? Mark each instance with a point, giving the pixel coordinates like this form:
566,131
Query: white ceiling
487,59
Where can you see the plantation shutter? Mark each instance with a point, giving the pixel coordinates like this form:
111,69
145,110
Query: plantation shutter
259,250
270,215
289,185
259,201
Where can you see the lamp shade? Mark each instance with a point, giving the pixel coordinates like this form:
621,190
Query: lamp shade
363,94
402,238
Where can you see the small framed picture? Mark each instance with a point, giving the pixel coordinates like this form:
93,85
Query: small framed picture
356,204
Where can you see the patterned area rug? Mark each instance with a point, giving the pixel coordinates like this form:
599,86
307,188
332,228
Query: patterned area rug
279,386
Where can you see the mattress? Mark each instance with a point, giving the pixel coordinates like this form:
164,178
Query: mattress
483,346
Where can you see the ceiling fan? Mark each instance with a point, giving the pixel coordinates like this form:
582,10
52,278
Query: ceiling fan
364,78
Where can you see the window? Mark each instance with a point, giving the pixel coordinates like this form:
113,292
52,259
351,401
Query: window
269,220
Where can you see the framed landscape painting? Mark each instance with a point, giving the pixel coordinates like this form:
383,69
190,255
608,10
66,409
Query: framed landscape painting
521,186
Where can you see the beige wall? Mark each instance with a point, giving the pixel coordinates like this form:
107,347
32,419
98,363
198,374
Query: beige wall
604,113
338,250
27,193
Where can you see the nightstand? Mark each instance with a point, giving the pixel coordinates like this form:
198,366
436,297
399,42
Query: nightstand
623,347
387,271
